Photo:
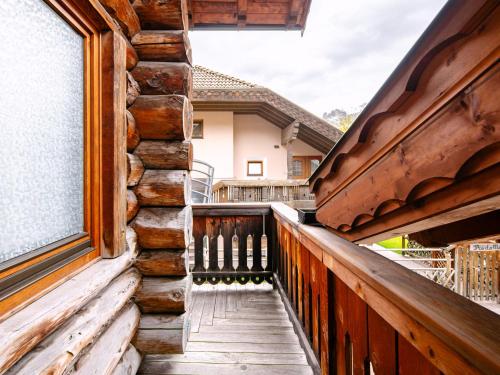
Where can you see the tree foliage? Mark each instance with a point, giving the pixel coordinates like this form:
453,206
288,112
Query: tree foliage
342,119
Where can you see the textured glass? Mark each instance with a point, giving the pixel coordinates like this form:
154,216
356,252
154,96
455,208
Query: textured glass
41,128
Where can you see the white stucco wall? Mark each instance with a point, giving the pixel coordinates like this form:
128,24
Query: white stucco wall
216,147
300,148
255,139
231,140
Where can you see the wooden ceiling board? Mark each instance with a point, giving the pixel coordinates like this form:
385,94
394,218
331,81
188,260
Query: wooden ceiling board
249,14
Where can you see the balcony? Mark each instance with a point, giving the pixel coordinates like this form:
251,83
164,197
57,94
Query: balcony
234,191
351,309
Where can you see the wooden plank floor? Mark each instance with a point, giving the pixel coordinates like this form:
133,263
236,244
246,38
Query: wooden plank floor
236,329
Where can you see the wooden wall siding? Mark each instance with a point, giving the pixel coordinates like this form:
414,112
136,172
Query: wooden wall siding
239,245
287,14
360,310
160,158
433,125
91,309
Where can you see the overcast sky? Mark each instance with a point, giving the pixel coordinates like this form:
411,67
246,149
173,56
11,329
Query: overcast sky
348,50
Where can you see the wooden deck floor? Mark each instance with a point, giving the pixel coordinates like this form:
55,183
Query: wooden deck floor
235,330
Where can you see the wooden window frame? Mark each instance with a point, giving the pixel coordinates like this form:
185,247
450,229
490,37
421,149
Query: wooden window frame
27,277
261,162
202,129
306,172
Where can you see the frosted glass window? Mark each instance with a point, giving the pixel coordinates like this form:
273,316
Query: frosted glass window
41,128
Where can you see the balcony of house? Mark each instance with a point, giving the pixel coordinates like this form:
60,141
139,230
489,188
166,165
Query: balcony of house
234,191
275,296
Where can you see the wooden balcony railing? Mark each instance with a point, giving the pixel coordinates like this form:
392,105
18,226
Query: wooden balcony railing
261,191
358,312
231,243
364,313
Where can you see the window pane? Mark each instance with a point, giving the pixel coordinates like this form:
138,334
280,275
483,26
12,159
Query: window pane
297,168
255,168
314,165
197,129
41,122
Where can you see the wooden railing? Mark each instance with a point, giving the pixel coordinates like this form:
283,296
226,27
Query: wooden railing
358,312
363,313
261,191
231,243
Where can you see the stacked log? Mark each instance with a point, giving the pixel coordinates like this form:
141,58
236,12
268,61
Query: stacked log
160,157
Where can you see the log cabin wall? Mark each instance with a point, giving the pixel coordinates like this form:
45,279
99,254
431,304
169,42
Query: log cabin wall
159,183
87,321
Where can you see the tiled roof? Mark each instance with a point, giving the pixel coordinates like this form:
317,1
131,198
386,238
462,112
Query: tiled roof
212,86
204,78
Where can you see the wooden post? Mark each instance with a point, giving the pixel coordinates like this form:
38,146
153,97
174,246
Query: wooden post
114,169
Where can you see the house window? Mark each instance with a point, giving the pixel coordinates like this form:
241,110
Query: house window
48,195
304,166
298,168
198,129
255,168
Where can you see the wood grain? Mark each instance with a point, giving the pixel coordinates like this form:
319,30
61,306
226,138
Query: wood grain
113,143
135,169
163,117
124,14
133,137
164,78
172,46
163,262
166,155
164,295
163,228
104,355
162,15
164,188
59,351
25,329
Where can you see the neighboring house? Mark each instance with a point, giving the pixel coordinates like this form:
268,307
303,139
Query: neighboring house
248,132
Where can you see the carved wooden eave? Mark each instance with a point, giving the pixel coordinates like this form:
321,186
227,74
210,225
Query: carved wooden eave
425,152
248,14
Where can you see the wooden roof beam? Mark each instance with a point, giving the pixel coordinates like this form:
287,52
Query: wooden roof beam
290,133
293,14
469,197
242,13
474,228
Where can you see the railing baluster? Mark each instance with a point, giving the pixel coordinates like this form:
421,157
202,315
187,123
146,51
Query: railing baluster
213,231
234,248
242,232
227,232
198,234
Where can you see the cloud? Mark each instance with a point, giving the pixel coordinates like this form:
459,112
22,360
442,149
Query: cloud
348,50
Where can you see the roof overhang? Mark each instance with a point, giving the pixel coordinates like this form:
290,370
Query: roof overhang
248,14
271,111
425,151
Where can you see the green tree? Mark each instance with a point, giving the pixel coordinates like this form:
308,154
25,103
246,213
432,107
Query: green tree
342,119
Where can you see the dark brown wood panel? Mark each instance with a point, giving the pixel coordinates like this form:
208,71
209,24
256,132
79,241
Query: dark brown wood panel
240,14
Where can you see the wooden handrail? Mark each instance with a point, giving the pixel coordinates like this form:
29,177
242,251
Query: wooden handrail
453,333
